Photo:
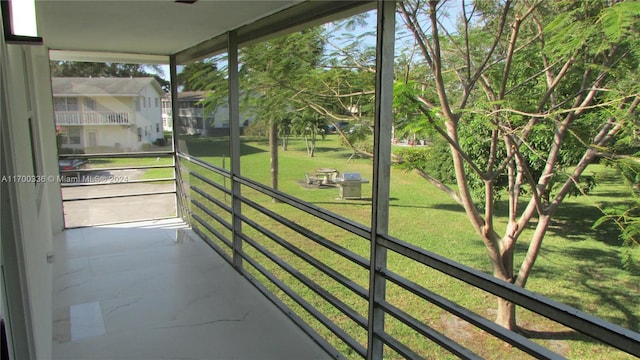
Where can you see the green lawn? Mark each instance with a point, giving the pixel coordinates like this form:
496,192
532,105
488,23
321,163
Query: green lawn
578,265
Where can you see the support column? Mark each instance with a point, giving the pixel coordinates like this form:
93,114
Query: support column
182,198
234,124
381,171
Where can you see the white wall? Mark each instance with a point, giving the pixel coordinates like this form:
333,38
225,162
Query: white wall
109,135
150,115
26,92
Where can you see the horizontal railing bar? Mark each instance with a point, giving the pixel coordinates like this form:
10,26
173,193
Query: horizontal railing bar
137,167
292,315
338,331
343,280
338,249
210,182
342,222
396,345
213,245
121,196
212,230
219,203
214,216
119,155
592,326
427,331
138,181
204,164
491,327
325,294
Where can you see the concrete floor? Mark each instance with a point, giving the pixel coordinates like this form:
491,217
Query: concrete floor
154,290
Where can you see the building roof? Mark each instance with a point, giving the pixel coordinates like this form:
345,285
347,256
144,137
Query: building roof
75,86
189,95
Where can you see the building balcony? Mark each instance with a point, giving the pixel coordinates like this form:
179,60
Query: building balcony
93,118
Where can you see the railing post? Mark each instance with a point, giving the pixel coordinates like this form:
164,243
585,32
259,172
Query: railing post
234,128
381,172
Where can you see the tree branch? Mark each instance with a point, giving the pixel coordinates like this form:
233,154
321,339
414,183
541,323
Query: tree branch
440,185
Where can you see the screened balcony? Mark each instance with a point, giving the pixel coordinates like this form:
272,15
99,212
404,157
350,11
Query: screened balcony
252,269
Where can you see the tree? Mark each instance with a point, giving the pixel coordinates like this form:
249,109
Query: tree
99,69
309,124
526,95
203,75
276,71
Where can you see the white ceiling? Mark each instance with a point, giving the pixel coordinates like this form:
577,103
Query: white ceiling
154,27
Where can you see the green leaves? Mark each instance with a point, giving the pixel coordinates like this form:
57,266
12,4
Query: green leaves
628,220
591,26
619,20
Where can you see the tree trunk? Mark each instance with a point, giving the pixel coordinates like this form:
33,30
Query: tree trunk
273,152
506,316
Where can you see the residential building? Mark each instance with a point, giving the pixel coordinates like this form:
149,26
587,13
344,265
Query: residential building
195,118
94,115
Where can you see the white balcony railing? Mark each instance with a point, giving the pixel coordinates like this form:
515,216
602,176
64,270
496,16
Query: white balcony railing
92,118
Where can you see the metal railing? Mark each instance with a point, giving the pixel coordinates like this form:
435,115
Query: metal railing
86,176
210,213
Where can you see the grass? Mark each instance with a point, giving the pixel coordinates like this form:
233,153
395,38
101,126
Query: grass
578,265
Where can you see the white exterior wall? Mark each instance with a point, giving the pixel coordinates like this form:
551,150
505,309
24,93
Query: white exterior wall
112,136
32,209
149,117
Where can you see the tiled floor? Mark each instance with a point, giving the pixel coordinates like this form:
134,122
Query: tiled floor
154,290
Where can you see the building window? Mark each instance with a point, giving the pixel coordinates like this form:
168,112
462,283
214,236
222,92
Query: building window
72,104
60,104
157,102
74,136
65,104
157,127
24,31
139,134
138,106
71,136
